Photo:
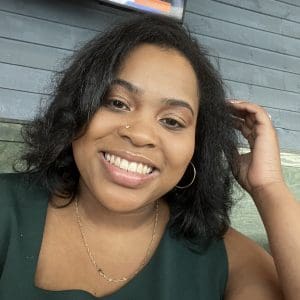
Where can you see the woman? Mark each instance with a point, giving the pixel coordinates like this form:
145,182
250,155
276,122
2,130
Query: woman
129,172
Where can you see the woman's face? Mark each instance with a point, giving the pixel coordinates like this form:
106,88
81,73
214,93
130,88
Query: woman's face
156,94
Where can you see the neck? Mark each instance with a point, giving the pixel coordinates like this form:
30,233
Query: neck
97,216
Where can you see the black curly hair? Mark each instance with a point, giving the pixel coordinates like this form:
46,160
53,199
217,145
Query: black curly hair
200,211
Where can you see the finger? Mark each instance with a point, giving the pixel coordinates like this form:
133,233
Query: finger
240,125
250,121
233,109
248,117
243,109
248,133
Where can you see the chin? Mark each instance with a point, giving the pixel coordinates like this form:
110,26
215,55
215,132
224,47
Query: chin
122,202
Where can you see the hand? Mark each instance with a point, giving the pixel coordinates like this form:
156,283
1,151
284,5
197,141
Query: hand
261,166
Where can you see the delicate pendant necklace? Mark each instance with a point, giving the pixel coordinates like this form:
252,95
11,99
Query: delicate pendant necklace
92,258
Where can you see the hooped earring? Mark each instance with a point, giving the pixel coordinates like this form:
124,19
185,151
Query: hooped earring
194,176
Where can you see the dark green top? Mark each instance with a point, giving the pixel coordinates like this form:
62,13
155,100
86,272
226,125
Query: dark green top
174,271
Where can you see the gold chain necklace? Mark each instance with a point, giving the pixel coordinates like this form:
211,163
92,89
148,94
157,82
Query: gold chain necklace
92,258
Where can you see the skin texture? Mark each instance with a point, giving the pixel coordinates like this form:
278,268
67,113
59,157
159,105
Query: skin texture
170,147
261,175
118,216
119,219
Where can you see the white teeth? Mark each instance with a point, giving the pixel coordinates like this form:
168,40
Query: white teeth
117,161
132,167
126,165
140,169
112,159
145,168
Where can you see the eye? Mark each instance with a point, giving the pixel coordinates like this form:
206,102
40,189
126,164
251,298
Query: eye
116,104
172,123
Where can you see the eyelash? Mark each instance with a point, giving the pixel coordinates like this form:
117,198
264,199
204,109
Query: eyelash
178,126
110,103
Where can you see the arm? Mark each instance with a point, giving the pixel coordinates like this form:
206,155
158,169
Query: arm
260,174
281,216
252,274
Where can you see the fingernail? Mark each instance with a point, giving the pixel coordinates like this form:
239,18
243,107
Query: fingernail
234,101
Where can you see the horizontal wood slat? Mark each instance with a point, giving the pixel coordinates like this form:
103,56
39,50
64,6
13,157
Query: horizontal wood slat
225,12
243,35
278,9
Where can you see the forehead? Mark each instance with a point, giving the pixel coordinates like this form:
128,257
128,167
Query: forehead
163,72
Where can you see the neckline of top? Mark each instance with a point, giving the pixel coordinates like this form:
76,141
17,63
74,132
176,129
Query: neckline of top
125,287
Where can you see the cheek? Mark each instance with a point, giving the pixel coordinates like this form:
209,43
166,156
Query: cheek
79,153
86,160
179,154
84,150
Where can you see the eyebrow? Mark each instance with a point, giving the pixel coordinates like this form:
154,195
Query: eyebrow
167,101
127,85
177,102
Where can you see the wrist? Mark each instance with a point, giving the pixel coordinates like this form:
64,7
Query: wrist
266,191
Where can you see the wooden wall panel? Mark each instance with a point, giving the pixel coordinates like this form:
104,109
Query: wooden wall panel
265,96
243,35
77,13
245,73
281,10
250,55
17,105
33,30
33,55
292,2
24,78
242,17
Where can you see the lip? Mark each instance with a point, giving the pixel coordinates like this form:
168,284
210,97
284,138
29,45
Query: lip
124,178
133,157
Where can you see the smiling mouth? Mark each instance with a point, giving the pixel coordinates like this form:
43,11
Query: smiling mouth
129,166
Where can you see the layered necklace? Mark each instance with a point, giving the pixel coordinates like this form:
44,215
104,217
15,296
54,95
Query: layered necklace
92,257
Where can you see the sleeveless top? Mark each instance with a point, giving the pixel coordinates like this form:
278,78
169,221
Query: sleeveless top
175,271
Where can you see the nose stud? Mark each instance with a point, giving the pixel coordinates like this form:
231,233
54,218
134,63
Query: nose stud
127,126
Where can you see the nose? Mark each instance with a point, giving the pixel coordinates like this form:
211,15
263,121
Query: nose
139,133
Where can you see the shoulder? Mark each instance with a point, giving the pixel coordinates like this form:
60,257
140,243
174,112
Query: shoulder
11,193
7,178
252,273
10,184
17,189
22,199
205,262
